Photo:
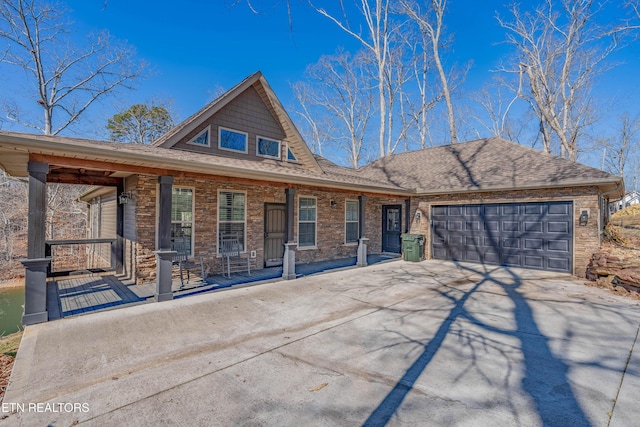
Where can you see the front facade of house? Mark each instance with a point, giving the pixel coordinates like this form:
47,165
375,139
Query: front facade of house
239,166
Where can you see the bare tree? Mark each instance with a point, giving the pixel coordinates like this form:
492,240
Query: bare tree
67,79
560,47
13,225
340,91
313,128
377,40
431,23
622,148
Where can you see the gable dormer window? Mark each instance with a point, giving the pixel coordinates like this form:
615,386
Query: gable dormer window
232,140
267,147
290,156
202,138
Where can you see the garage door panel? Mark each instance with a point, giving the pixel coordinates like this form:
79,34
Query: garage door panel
491,225
533,209
454,225
455,240
473,225
558,227
560,264
533,226
473,241
532,261
510,210
559,209
510,226
511,243
492,210
512,260
534,244
471,211
455,210
532,235
558,245
438,210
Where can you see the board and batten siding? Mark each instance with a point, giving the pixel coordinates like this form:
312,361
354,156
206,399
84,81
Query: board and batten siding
102,224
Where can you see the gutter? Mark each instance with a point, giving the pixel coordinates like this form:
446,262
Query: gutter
572,183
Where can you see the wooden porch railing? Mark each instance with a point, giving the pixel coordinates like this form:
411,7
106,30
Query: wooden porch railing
77,256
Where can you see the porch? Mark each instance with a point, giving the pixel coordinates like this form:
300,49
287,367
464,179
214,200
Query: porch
76,295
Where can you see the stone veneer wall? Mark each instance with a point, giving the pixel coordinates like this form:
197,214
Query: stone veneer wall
586,238
330,222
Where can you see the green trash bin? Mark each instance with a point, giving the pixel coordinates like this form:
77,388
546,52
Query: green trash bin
412,245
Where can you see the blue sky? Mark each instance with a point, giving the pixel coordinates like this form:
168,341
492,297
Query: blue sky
197,48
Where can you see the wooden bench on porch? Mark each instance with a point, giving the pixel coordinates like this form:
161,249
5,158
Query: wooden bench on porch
232,257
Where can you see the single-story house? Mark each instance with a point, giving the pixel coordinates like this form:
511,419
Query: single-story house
629,199
239,165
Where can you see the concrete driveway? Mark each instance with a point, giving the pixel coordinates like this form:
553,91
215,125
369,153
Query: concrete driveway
430,343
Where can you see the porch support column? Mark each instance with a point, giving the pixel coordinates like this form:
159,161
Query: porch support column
362,240
289,260
117,254
164,254
407,215
36,264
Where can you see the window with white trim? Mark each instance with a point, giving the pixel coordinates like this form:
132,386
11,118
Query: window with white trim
266,147
306,222
352,223
182,219
232,216
232,140
202,138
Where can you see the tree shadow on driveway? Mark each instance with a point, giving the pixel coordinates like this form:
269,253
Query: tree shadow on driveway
545,376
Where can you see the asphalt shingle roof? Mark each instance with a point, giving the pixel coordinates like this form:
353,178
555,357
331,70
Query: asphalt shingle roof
490,163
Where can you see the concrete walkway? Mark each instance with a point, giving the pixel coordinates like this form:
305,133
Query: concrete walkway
430,343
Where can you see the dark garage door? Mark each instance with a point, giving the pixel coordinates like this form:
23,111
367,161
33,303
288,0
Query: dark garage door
530,235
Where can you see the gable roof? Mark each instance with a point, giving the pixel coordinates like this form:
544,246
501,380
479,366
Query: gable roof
271,101
489,164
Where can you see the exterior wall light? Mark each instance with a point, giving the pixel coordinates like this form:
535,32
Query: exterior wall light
123,198
584,218
333,204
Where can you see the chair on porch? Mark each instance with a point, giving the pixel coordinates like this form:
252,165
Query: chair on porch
186,265
232,256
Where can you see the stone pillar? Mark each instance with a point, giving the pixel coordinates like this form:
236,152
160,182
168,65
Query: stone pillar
362,252
36,264
164,254
289,261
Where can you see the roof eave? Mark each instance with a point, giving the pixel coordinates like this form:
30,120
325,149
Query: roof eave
71,150
602,183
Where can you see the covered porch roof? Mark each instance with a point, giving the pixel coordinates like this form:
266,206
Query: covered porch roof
85,161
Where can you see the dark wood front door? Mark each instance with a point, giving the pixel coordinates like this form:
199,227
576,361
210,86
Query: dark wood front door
275,225
391,228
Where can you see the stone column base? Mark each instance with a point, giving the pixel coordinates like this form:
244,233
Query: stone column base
35,290
289,261
164,266
362,252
